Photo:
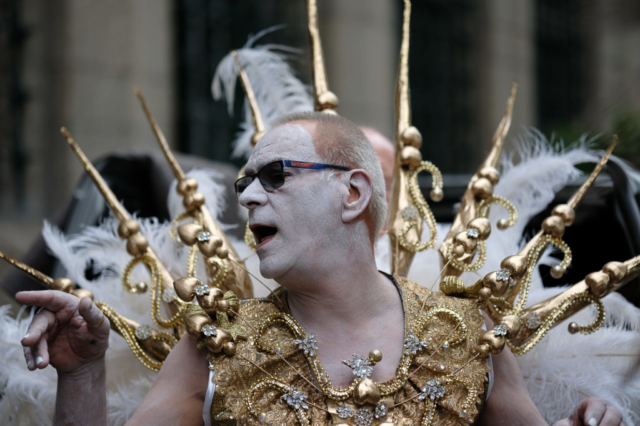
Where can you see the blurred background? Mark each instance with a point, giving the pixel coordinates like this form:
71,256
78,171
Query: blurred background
75,62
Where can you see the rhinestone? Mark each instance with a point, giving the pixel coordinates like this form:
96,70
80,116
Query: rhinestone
308,344
380,410
360,365
500,330
202,289
532,320
143,332
295,398
472,233
503,275
433,390
413,345
203,236
363,417
209,330
344,412
410,213
168,295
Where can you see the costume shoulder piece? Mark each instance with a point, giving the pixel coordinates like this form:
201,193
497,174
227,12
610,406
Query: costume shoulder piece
274,375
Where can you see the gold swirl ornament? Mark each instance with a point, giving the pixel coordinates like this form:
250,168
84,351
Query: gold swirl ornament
295,399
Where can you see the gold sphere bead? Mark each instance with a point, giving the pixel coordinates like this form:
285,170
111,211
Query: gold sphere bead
188,233
503,224
209,302
194,324
513,324
617,271
410,157
468,244
255,138
557,272
482,225
366,392
328,100
222,252
490,173
566,213
82,293
193,200
223,305
598,283
229,348
485,293
495,343
498,288
216,241
207,248
516,264
127,228
185,287
482,188
141,287
483,350
62,284
458,251
186,186
375,356
436,194
553,225
217,342
411,136
137,244
573,328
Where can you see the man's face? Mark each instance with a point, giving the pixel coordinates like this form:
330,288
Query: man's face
293,223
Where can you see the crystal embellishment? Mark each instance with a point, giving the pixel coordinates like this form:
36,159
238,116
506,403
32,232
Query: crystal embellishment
168,295
413,345
209,330
202,289
344,412
503,275
472,233
410,213
532,320
143,332
500,330
295,398
203,236
363,417
381,410
433,390
360,365
308,344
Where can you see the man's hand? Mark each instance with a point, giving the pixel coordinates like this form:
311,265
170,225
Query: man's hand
593,412
66,333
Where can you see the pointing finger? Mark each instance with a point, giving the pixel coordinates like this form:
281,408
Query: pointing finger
96,320
53,300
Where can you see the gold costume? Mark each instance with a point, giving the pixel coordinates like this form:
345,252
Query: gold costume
440,378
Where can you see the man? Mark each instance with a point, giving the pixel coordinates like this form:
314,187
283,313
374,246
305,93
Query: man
315,232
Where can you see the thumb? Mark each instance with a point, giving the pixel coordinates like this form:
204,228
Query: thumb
97,322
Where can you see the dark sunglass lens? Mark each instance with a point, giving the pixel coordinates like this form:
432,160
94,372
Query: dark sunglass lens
243,183
272,176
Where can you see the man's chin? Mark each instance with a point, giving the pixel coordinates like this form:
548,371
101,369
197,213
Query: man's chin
270,269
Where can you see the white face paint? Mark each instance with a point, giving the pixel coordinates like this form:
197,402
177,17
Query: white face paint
306,210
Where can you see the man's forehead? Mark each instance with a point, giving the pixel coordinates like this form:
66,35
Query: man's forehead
284,143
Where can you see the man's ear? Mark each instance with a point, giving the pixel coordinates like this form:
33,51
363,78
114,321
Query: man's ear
360,189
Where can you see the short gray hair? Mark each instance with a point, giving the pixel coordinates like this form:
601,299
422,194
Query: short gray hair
342,143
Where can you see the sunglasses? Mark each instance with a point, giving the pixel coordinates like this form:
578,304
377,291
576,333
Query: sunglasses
271,176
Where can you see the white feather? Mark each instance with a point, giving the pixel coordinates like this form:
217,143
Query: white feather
276,88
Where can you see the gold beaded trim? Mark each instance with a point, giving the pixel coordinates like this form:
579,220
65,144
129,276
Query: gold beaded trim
461,326
483,208
555,315
252,396
469,267
221,271
422,207
128,333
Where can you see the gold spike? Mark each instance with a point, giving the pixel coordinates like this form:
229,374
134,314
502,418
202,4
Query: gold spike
325,100
577,197
110,198
469,205
501,132
258,124
177,170
34,273
403,109
612,277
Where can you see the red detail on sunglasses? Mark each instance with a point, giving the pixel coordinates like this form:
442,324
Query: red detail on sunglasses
300,164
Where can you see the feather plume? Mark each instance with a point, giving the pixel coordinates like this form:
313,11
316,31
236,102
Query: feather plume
276,88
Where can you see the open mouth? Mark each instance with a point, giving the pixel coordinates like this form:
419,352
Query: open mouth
263,233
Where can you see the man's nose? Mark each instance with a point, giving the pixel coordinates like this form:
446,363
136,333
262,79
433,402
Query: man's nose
253,195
